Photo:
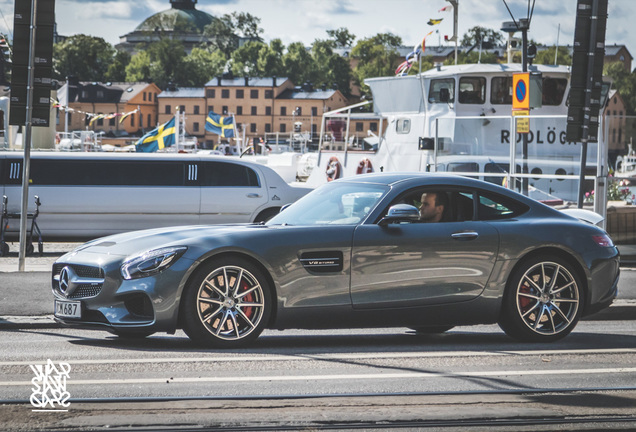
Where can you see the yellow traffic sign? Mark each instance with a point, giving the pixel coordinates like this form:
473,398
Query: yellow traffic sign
521,91
523,124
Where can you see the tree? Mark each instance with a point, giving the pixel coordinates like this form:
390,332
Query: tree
201,66
624,82
486,36
139,68
270,59
298,63
162,63
244,61
376,57
85,57
341,37
225,32
329,69
117,69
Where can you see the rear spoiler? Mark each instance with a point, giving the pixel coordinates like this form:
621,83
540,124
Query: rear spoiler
585,215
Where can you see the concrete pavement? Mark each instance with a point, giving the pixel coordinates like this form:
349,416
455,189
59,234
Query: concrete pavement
27,302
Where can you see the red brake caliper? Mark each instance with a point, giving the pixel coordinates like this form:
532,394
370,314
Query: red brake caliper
249,311
524,302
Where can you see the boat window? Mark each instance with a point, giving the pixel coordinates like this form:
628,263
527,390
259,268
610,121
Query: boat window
498,168
229,174
463,167
403,126
501,91
442,91
472,90
553,90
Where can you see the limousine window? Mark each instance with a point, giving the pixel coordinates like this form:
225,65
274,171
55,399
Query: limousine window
48,172
229,174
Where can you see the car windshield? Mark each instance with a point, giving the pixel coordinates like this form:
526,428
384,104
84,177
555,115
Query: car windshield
333,203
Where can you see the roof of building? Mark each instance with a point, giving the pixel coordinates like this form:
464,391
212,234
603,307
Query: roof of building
117,92
315,94
612,50
182,13
186,92
251,82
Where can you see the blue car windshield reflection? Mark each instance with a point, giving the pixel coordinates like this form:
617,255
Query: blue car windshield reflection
333,204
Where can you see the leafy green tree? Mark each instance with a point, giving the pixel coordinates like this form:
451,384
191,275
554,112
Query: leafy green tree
478,34
298,63
85,57
624,82
244,61
270,59
139,68
201,66
376,57
117,69
167,57
224,32
329,69
342,37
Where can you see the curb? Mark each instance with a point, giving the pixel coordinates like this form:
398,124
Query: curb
620,310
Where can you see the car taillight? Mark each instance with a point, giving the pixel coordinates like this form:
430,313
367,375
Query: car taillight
603,240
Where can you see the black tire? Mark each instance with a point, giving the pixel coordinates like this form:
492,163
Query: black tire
438,329
223,315
543,300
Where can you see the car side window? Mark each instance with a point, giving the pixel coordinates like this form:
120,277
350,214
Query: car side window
493,207
460,202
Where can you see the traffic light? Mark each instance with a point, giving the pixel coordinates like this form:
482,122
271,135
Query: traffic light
586,80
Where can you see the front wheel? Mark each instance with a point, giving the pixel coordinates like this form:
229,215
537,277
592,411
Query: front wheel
227,303
543,300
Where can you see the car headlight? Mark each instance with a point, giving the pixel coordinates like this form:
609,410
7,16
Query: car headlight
151,262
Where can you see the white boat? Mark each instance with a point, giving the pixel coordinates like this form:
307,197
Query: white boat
459,119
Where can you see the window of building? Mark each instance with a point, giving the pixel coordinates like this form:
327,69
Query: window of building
141,120
195,127
253,127
100,94
224,109
100,121
182,109
132,120
472,90
314,111
299,111
254,94
168,109
283,111
149,120
111,121
268,127
196,109
374,127
239,110
240,94
225,93
254,110
269,94
268,110
144,96
283,127
210,93
359,126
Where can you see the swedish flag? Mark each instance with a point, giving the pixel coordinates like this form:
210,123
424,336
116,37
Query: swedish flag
217,124
159,138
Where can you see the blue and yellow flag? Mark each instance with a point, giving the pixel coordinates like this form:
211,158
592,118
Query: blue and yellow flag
217,124
159,138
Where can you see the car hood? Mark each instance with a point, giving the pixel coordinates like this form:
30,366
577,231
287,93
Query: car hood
134,242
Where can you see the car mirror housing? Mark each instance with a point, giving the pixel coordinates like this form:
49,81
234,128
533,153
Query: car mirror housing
401,213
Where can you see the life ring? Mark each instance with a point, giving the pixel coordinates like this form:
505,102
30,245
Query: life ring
365,166
334,169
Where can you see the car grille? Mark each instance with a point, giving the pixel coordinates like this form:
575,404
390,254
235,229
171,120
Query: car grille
87,289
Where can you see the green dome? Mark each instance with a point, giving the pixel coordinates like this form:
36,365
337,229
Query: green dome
182,17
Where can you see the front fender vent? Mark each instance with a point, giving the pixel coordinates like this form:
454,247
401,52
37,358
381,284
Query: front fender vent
322,262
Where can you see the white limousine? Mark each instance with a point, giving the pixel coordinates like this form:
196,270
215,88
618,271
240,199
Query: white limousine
88,195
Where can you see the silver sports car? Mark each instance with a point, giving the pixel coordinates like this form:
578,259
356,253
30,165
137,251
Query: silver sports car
358,252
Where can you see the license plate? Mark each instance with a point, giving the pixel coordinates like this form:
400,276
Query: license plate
68,309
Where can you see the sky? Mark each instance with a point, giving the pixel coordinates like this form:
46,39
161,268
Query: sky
308,20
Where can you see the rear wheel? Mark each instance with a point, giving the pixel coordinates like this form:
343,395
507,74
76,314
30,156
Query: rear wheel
227,303
543,300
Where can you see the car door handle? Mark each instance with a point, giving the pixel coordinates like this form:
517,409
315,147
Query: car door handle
465,235
253,195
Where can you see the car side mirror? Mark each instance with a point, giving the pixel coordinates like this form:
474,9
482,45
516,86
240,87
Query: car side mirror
400,213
